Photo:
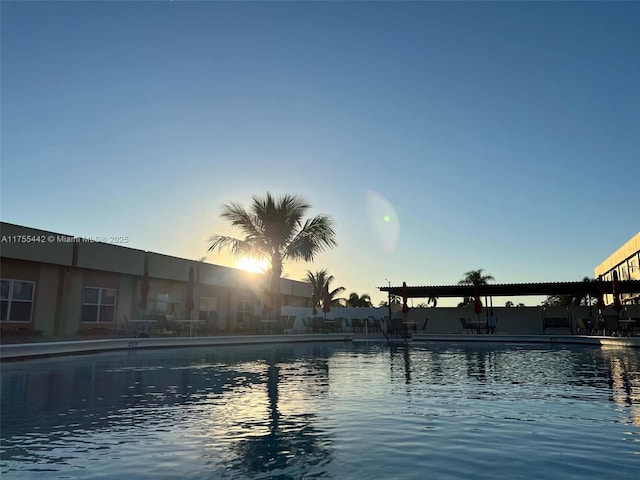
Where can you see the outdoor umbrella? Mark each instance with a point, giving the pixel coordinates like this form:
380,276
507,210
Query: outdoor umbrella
144,291
405,294
190,292
477,304
617,306
600,303
326,301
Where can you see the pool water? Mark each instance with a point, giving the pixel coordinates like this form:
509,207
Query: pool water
325,410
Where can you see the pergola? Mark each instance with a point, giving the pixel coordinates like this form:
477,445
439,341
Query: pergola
576,289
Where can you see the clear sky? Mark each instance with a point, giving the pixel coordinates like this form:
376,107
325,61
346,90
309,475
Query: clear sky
495,135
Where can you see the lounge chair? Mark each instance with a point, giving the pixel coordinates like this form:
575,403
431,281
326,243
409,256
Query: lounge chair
584,326
168,327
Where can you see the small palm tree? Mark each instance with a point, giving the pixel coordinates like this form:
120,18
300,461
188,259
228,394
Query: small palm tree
474,277
356,300
317,281
275,230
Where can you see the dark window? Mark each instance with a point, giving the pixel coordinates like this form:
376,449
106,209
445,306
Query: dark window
98,305
16,300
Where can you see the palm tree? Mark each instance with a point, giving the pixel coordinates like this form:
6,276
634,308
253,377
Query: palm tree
395,300
563,300
274,229
318,281
474,277
355,300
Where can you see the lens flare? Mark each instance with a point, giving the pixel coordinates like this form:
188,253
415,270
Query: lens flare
383,219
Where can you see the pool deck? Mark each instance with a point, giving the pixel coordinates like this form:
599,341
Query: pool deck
19,351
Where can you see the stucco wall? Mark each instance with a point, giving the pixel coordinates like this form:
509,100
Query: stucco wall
110,258
48,250
46,298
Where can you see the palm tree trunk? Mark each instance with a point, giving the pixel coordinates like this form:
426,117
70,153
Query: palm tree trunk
276,273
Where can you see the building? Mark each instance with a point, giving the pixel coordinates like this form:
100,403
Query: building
626,261
60,285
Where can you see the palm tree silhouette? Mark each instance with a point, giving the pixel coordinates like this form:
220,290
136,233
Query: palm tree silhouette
274,229
471,277
317,281
356,300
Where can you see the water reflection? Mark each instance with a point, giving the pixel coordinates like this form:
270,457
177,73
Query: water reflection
286,441
49,402
493,364
273,412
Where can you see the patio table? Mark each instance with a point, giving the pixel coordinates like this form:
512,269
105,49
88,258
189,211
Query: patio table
627,326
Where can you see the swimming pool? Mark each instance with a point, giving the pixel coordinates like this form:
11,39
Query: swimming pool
325,410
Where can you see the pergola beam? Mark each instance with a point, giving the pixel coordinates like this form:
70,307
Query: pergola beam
516,289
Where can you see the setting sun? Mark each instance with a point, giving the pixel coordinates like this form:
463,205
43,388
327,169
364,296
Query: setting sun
252,265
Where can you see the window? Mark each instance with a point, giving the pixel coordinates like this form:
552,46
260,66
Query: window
245,310
17,300
98,304
207,306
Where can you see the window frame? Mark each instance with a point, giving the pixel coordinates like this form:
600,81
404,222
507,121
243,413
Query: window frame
11,300
99,305
245,308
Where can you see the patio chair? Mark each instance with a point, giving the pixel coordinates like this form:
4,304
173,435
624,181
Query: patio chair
466,326
492,325
357,325
290,323
397,327
317,325
372,325
168,327
338,324
584,326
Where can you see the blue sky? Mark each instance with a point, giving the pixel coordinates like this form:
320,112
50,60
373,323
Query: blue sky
495,135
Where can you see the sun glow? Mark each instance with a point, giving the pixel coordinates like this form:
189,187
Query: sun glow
252,265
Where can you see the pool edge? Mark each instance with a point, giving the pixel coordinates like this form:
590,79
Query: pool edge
21,351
